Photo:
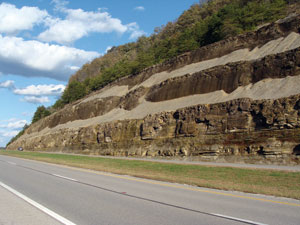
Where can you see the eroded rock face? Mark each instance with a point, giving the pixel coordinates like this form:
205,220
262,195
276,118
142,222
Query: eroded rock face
228,77
240,129
251,131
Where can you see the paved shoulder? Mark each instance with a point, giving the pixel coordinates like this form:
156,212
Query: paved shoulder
14,210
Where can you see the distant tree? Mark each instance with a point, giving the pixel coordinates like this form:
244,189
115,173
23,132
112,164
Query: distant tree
58,104
203,23
74,91
18,135
40,113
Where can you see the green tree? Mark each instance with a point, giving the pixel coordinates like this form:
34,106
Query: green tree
204,23
18,135
40,113
74,91
58,104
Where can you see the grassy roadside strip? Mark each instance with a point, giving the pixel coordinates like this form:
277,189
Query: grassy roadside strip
260,181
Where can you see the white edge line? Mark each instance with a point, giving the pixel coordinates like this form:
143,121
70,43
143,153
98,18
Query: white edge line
12,163
238,219
67,178
39,206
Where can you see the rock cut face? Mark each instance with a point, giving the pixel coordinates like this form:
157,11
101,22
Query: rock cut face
234,100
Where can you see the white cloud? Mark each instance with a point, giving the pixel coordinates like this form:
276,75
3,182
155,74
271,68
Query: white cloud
13,20
38,94
136,34
139,8
7,84
59,4
9,120
74,68
36,100
9,133
135,31
14,124
10,128
41,90
33,58
107,49
79,23
27,114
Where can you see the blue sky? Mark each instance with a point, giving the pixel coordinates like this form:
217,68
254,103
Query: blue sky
44,42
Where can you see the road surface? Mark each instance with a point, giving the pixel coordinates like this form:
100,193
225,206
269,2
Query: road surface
14,210
76,196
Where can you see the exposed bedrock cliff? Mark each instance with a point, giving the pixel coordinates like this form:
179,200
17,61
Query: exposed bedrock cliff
250,40
236,100
82,111
228,77
237,130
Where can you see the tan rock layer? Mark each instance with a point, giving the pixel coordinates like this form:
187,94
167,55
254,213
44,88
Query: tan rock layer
192,83
228,77
281,28
256,131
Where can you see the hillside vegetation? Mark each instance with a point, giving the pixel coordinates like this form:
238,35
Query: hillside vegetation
200,25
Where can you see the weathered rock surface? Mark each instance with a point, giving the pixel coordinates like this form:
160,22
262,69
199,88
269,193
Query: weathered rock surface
256,131
148,115
229,77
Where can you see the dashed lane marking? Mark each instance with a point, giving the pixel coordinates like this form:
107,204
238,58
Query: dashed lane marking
169,185
67,178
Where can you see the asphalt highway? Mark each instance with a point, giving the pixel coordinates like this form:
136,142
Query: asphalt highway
14,210
77,196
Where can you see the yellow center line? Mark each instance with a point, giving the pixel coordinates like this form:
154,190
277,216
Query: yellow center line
169,185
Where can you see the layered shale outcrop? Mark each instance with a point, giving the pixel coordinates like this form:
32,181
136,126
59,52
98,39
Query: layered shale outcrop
235,100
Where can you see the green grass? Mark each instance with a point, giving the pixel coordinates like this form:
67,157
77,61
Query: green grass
270,182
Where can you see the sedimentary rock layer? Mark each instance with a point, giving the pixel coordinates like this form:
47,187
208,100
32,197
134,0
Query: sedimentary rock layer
253,131
235,100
